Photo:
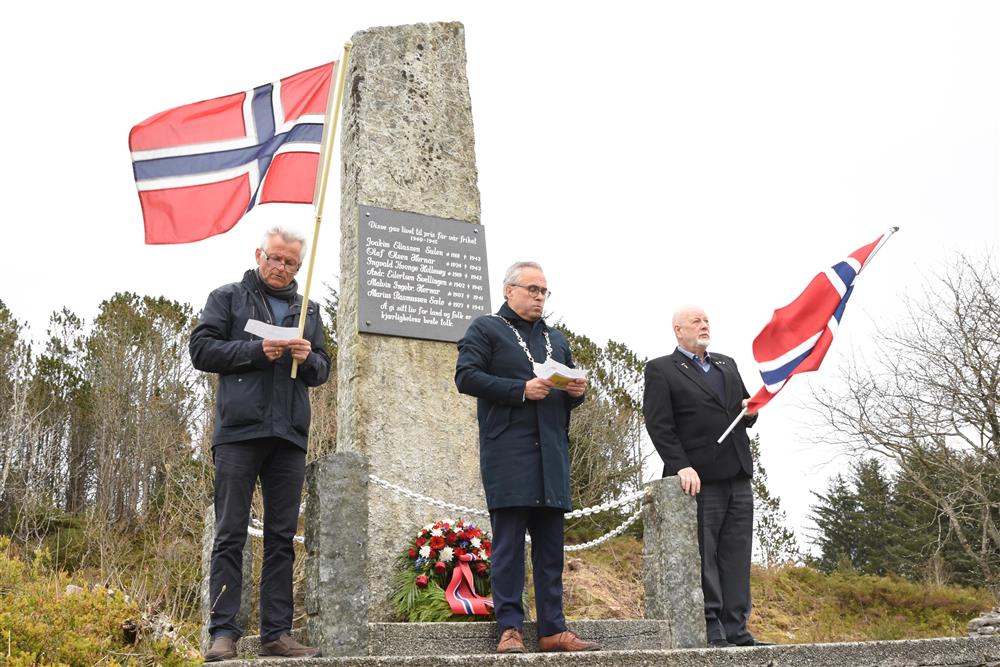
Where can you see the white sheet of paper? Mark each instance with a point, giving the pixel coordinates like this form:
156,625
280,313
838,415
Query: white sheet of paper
269,331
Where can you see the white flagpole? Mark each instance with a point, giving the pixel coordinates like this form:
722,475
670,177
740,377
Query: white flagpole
326,151
732,426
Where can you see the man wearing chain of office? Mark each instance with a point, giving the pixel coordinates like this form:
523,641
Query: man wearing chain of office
523,454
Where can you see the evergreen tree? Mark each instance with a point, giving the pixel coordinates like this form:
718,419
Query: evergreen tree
835,516
774,542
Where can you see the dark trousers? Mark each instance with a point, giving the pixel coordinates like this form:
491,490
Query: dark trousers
280,465
725,539
545,525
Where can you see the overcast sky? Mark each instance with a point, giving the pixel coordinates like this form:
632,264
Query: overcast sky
717,153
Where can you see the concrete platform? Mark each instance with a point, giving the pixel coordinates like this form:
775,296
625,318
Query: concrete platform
945,652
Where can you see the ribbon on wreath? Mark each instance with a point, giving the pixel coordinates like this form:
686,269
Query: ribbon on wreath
461,592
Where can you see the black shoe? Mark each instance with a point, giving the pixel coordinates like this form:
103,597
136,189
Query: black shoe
755,642
720,643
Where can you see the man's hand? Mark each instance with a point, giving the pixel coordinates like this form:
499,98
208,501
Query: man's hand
575,388
537,389
273,349
745,401
300,348
690,482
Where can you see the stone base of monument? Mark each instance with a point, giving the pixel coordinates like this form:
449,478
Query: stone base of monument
946,652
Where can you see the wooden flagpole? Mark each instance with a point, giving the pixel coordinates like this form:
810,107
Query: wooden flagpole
892,230
326,151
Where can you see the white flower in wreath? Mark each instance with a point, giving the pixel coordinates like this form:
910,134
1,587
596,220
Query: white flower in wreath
425,529
446,555
425,551
482,555
450,522
475,542
436,532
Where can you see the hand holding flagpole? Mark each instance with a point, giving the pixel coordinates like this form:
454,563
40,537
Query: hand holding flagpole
329,134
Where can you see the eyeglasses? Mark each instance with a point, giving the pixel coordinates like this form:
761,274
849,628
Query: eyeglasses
278,263
534,290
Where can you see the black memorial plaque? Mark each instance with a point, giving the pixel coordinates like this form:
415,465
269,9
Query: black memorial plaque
420,276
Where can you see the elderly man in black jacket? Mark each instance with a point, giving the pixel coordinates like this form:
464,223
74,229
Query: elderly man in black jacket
261,430
690,399
523,454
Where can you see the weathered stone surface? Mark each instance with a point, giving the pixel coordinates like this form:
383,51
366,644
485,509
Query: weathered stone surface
672,564
336,584
247,596
950,652
407,144
430,639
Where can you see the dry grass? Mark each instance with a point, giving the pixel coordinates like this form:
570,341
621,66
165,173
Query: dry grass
791,604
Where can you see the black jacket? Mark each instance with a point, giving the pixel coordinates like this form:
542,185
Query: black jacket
256,398
523,445
684,418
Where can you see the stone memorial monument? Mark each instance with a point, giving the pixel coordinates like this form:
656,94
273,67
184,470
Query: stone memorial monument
406,145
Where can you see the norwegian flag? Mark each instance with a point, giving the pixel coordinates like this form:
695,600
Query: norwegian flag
798,335
200,167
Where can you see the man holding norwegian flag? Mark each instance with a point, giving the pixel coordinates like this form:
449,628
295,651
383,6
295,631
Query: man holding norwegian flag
690,396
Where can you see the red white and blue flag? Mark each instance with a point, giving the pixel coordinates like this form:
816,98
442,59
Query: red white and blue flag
798,335
200,167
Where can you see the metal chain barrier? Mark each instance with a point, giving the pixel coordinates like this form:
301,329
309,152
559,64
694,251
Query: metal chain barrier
256,527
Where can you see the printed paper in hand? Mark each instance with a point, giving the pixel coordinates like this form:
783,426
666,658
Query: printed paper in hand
558,374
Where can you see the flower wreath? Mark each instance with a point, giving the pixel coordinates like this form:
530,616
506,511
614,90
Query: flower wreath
444,573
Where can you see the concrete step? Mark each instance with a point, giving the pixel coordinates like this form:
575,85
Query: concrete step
481,638
946,652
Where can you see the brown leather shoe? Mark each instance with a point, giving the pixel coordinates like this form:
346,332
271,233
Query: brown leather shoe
566,641
286,647
511,641
223,648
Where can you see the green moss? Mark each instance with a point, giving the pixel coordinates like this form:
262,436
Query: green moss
43,624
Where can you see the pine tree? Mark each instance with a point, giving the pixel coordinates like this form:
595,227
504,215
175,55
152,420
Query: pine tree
774,542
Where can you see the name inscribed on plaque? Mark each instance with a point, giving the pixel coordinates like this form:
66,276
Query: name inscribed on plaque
420,276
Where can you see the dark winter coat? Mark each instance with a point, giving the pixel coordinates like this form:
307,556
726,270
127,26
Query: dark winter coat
684,418
257,398
523,444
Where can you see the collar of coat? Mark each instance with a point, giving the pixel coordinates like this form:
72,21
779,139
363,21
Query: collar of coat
508,312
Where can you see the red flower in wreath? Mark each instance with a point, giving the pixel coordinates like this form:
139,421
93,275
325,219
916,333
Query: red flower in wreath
421,542
481,567
422,581
440,568
437,543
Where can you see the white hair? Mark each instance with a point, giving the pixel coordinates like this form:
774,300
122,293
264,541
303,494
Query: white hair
513,274
287,235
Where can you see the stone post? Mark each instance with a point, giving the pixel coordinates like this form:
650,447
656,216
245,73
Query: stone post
336,537
672,563
407,145
246,595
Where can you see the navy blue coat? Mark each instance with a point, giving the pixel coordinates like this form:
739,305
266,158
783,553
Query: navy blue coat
257,398
523,445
